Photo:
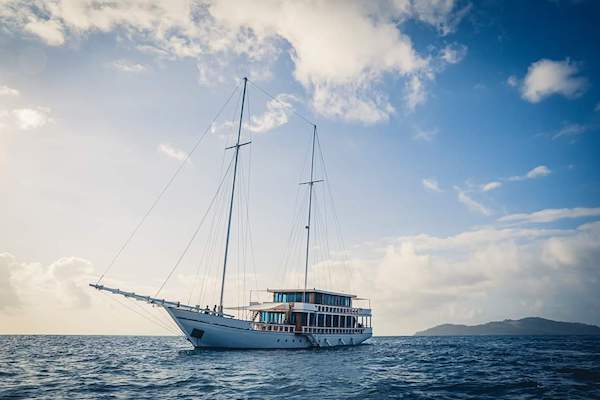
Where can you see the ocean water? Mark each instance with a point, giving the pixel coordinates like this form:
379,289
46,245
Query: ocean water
106,367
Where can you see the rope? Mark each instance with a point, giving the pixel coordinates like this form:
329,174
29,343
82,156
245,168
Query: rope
302,117
187,247
162,192
157,323
338,226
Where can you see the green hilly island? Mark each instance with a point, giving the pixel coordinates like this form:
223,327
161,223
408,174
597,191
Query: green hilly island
525,326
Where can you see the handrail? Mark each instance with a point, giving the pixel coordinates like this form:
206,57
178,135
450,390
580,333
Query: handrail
284,328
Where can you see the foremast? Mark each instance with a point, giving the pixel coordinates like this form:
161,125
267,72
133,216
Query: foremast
235,165
310,184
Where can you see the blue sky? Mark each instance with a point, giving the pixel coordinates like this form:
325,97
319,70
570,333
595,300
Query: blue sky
461,143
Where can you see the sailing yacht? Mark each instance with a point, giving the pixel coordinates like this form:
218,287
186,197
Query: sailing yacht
291,319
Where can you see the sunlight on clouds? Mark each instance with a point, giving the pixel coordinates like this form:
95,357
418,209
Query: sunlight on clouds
278,111
425,135
546,77
453,53
364,42
127,66
29,118
7,91
551,215
479,274
570,130
431,184
50,31
351,103
56,299
491,186
415,93
439,13
537,172
471,204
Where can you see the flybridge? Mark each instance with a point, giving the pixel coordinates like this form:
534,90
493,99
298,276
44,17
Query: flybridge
313,296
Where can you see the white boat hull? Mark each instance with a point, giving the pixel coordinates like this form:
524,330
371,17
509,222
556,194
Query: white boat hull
212,331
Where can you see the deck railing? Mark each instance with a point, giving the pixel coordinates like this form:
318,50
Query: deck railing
280,328
332,330
261,326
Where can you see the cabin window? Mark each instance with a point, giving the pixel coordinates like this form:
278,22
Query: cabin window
328,321
321,320
336,321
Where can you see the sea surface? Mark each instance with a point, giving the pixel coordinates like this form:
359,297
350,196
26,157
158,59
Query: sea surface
106,367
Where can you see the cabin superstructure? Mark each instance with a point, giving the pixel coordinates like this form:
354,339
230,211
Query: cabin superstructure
312,311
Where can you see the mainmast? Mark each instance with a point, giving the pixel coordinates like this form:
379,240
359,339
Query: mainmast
310,193
235,163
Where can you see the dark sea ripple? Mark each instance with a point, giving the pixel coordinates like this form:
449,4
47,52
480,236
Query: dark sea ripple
103,367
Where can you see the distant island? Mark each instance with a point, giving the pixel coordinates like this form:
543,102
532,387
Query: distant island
525,326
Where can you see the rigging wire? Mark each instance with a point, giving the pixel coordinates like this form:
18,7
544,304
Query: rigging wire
168,328
166,187
146,311
338,227
302,117
187,247
207,253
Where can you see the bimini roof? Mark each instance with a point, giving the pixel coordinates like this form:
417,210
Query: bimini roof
313,290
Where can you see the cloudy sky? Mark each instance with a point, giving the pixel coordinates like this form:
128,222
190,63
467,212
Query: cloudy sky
460,139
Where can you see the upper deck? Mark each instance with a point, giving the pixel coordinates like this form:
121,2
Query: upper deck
312,296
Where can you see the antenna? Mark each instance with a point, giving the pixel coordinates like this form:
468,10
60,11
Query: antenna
310,192
235,164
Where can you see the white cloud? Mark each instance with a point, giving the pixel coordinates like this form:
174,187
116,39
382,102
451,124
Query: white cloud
415,93
425,135
30,118
50,31
277,114
351,103
172,152
341,52
537,172
60,282
439,13
512,81
453,53
38,298
471,204
570,130
546,77
486,187
7,91
551,215
431,184
479,275
127,66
